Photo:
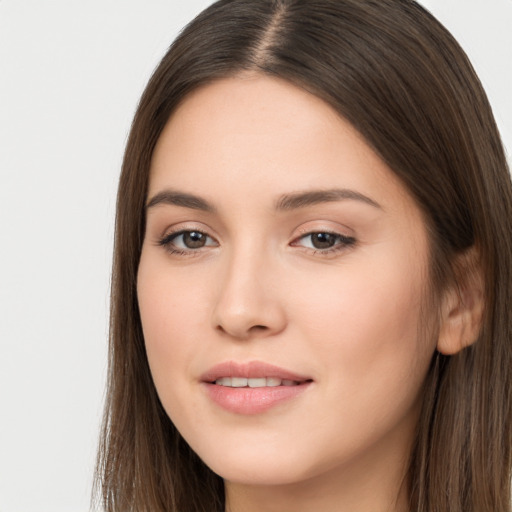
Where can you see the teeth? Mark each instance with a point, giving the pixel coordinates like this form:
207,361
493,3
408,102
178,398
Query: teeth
273,381
257,383
242,382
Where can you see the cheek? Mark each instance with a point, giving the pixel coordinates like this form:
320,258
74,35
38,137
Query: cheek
364,321
169,302
169,305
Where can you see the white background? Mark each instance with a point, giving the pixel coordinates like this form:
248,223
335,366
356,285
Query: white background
71,73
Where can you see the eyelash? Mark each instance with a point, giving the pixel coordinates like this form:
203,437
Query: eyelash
342,242
167,242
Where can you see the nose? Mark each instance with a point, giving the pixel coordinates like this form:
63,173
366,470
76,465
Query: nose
248,303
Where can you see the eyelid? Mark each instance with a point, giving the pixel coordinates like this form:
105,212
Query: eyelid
323,226
345,238
186,226
176,234
171,233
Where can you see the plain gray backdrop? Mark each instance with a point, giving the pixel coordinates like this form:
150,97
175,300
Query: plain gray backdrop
71,73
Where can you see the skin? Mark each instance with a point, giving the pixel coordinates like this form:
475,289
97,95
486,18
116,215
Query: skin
350,317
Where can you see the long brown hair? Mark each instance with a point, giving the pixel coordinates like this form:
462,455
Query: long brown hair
391,70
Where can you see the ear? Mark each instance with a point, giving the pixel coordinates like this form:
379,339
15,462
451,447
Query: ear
462,305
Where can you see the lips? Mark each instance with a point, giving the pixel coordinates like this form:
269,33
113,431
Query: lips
252,388
256,382
251,370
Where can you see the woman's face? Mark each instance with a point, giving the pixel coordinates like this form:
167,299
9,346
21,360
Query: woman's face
281,288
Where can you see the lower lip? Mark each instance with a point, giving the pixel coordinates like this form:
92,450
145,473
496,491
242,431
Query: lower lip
252,400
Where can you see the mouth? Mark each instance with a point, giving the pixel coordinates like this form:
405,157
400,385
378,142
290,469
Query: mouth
243,382
254,374
252,388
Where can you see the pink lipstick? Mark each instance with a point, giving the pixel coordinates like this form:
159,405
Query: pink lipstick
252,388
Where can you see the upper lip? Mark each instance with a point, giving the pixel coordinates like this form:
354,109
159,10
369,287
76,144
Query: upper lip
250,370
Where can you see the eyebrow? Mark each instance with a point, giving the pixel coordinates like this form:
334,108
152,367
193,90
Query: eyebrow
176,198
284,203
312,197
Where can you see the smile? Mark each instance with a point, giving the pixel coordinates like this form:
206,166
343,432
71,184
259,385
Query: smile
253,387
242,382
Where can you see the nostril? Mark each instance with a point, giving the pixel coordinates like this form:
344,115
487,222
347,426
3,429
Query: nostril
243,333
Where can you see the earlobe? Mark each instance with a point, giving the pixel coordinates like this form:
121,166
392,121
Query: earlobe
462,306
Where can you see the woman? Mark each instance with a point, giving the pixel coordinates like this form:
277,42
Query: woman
312,271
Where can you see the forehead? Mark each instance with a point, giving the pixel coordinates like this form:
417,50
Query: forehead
266,136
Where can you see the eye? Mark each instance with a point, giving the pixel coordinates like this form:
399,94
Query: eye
324,241
186,240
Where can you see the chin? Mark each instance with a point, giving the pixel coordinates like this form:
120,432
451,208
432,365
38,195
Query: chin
265,474
256,466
